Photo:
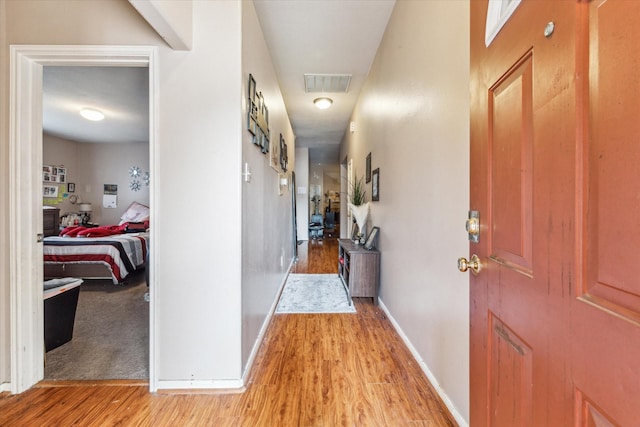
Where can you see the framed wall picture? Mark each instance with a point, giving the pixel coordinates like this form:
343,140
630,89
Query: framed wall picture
368,172
46,173
372,240
252,109
375,185
50,191
274,157
54,174
257,117
71,187
283,154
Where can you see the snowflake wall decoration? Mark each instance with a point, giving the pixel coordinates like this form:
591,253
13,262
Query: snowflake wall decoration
134,172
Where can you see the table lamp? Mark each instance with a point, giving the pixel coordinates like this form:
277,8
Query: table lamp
85,213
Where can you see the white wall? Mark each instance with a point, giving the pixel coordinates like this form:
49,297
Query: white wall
62,152
100,164
302,192
197,287
173,20
199,163
331,183
90,166
413,116
267,241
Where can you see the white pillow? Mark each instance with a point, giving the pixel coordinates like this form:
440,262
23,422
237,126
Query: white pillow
136,212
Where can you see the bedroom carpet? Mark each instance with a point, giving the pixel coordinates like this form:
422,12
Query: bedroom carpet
110,335
314,293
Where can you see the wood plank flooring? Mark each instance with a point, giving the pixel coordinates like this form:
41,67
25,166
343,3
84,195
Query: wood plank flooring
312,370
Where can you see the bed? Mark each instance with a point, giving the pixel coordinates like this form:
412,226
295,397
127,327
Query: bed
111,252
113,257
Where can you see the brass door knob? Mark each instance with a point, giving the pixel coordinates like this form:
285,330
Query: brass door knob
473,264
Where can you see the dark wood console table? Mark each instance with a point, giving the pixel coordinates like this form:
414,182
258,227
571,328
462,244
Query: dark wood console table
359,270
50,221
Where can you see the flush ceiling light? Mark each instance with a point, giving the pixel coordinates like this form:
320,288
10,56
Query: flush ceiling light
323,103
91,114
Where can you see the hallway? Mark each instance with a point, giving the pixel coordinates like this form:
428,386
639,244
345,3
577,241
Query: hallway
312,370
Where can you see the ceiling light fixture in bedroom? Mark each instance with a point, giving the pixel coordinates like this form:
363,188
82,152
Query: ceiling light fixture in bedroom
92,114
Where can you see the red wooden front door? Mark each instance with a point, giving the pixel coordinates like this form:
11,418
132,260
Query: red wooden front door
555,175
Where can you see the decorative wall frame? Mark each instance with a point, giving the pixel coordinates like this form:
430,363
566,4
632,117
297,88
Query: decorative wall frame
50,191
257,116
372,239
284,155
375,185
54,174
71,187
252,108
274,156
368,169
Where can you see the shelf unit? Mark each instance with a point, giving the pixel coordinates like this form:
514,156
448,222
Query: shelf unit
359,270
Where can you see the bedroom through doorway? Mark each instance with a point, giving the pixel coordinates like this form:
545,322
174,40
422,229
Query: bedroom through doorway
96,177
26,192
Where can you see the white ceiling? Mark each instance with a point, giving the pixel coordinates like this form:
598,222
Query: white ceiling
322,37
303,36
122,94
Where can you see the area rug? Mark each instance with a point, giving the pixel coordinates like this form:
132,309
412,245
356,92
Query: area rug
314,293
110,336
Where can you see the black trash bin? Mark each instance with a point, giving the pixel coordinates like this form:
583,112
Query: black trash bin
60,303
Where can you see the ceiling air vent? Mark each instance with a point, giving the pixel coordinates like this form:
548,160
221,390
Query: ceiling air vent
327,82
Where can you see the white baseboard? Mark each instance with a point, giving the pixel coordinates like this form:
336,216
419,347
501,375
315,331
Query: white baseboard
213,386
445,398
188,386
5,387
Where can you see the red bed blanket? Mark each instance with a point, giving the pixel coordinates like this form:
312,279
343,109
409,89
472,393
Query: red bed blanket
80,231
104,231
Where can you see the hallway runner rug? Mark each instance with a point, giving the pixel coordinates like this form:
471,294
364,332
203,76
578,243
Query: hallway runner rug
314,293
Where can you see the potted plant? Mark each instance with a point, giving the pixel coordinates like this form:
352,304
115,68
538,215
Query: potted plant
359,206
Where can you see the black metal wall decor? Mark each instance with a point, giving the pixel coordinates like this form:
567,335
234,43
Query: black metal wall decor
258,117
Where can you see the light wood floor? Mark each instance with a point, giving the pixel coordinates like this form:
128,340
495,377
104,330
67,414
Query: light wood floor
312,370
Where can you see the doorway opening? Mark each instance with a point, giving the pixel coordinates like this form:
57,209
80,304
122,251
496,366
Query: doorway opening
98,169
26,192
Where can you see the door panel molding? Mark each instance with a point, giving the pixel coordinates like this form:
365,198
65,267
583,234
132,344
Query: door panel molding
511,166
588,413
510,376
610,204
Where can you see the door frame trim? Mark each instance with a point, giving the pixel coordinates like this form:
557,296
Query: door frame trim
25,188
